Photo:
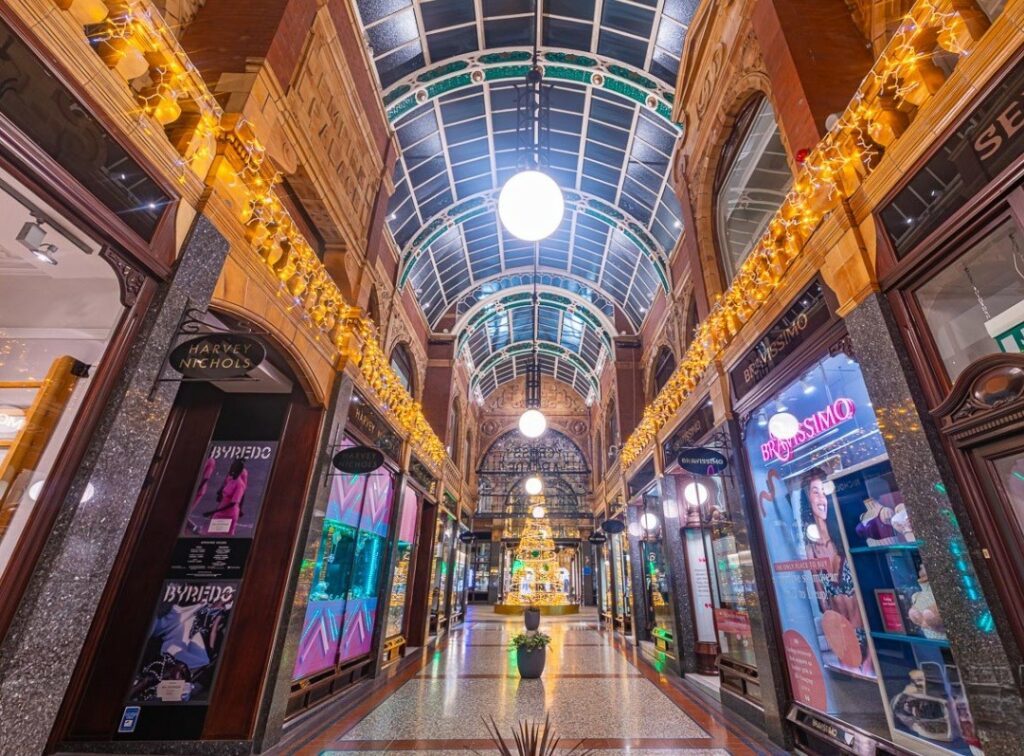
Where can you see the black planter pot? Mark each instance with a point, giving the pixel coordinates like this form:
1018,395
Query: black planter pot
532,619
531,662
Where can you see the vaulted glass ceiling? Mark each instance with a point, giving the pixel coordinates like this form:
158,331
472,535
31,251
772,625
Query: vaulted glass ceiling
448,70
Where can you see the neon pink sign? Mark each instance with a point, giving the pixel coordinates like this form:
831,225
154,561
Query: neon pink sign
840,411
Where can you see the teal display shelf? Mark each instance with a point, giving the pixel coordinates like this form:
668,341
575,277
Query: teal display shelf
914,639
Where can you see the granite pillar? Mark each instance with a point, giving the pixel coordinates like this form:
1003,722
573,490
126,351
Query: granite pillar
38,655
932,502
764,631
684,631
641,612
270,724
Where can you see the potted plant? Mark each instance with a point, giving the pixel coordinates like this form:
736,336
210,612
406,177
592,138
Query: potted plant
532,740
531,653
531,617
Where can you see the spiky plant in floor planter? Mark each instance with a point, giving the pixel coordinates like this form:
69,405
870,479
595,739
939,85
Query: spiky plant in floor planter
532,739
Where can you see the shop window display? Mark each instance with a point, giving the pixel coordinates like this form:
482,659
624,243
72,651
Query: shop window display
345,580
606,579
863,638
623,576
439,568
59,306
975,306
659,599
406,548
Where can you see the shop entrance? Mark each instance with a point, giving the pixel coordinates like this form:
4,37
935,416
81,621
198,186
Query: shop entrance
183,639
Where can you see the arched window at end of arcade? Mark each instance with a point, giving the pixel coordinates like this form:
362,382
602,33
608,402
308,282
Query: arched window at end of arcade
751,183
404,367
664,366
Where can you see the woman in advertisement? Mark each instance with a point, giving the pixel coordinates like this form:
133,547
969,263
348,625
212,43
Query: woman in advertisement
833,579
224,519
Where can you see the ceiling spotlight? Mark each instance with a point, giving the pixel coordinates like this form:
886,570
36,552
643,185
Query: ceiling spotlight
45,253
534,486
532,423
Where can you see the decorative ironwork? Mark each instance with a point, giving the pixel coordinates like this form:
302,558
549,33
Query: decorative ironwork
553,457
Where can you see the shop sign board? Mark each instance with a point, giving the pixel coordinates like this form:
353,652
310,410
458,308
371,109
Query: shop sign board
597,538
643,478
613,526
218,356
702,461
421,474
989,141
358,460
691,430
807,429
805,316
827,728
365,419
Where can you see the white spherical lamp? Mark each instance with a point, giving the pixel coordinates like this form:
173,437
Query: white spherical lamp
532,423
783,425
695,493
649,522
538,512
531,205
534,486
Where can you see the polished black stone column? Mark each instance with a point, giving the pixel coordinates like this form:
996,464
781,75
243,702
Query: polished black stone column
37,657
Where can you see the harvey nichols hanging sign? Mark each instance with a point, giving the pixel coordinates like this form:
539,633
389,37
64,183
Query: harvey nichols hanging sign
806,315
218,356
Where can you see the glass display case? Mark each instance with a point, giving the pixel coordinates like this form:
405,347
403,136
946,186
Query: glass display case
404,564
862,635
659,599
622,581
439,570
605,592
345,574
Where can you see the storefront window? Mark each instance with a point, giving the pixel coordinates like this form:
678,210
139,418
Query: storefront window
406,549
606,579
342,609
439,570
623,584
863,638
753,182
659,599
59,306
976,305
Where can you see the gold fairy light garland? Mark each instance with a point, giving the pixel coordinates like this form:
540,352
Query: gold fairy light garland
133,40
903,78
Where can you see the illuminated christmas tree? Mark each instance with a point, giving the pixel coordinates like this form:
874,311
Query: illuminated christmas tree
535,575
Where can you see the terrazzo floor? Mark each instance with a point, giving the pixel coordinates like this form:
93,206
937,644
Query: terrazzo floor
594,690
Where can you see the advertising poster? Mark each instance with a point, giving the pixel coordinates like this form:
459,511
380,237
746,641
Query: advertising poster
229,491
185,639
700,582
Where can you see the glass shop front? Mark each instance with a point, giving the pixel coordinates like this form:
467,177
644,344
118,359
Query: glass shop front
405,566
863,638
440,571
716,542
622,581
342,612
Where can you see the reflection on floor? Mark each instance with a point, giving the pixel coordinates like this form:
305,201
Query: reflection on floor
593,688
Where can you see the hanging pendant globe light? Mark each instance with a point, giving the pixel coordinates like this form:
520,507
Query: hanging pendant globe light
531,205
532,423
534,486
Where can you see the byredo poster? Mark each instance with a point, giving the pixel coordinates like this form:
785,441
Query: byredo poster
700,584
230,489
185,639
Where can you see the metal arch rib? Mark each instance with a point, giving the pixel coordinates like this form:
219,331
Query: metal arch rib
511,63
576,201
470,318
